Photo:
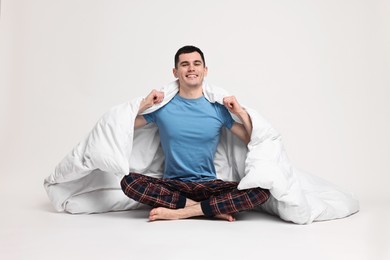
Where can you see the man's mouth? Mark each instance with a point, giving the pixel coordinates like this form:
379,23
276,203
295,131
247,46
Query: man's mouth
191,76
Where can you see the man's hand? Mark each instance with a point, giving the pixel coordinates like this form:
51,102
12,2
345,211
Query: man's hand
153,98
244,130
232,105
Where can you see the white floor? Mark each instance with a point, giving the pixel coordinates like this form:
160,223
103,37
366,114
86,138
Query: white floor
31,229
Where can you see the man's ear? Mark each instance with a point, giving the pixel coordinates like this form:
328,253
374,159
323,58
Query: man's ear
174,72
206,70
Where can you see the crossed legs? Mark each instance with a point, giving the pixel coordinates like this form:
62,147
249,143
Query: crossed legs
173,199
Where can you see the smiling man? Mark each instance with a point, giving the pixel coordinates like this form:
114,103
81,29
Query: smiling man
190,128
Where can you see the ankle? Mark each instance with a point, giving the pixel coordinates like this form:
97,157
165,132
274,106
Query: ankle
190,202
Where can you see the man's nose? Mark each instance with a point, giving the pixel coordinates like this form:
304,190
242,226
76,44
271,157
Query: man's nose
191,67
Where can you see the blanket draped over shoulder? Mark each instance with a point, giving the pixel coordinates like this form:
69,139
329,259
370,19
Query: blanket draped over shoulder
87,180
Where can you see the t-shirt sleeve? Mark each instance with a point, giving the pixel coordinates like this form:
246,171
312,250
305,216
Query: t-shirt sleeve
227,117
150,118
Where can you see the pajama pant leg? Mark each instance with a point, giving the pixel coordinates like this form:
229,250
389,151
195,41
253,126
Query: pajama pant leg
227,199
152,191
216,197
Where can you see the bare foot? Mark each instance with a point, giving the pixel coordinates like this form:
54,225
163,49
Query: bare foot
162,213
165,213
227,217
171,214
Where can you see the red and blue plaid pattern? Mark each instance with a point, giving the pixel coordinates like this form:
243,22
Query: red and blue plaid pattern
216,196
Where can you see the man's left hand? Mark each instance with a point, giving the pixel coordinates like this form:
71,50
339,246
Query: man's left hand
232,105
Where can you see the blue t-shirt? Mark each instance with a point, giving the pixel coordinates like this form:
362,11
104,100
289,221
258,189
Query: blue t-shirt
189,133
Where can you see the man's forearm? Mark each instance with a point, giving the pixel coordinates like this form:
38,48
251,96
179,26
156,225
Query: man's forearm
246,121
142,107
244,130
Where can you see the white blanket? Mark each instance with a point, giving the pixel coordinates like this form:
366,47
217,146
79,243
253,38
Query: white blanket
87,180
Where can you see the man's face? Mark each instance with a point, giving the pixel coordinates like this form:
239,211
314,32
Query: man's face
190,70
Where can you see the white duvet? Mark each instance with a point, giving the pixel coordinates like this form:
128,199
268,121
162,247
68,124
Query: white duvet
87,180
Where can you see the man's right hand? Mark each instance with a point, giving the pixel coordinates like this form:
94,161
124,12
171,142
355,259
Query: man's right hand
153,98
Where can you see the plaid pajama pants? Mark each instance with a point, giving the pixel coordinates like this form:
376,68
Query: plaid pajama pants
216,197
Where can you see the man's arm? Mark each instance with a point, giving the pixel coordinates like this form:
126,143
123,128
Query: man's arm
153,98
244,130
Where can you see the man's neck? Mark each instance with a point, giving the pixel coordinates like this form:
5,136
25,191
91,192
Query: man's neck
190,92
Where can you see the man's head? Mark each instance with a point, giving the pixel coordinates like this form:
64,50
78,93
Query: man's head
190,67
188,49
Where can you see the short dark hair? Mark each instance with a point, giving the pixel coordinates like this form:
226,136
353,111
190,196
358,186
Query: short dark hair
188,49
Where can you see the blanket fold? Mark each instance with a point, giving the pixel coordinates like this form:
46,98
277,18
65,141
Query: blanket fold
87,180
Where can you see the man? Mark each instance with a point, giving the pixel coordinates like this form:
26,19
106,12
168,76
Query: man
189,127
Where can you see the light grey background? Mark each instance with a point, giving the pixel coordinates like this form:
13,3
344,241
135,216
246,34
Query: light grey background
317,70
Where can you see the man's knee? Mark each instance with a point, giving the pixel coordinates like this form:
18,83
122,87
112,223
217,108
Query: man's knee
128,180
263,195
